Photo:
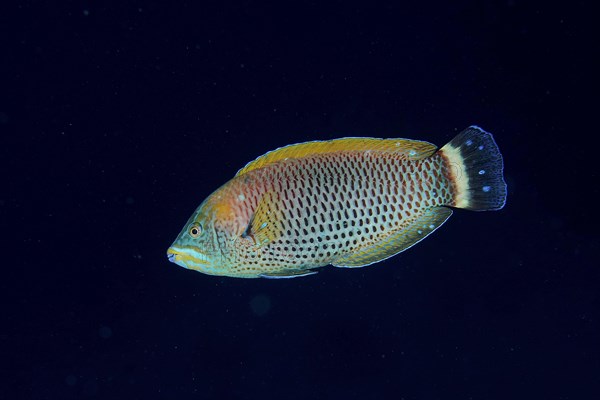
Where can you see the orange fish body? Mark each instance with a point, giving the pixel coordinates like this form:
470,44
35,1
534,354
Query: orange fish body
348,202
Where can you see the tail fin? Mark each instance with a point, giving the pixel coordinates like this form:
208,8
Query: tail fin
476,167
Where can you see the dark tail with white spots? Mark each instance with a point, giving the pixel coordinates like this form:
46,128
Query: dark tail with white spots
476,169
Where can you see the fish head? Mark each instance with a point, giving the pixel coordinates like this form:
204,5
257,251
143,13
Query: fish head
206,242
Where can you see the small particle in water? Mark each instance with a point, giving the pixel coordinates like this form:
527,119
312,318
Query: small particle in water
481,171
486,189
469,142
480,147
105,332
86,12
260,304
71,380
129,200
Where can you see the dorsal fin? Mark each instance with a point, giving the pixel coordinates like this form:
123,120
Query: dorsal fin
413,149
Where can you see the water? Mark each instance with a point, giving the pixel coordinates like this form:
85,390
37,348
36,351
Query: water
118,120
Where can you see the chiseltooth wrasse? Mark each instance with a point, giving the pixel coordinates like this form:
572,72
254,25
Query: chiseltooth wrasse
348,202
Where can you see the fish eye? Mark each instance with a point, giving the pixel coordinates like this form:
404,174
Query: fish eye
195,230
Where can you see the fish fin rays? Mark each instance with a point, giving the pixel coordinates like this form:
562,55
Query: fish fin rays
399,241
263,226
476,169
412,149
288,274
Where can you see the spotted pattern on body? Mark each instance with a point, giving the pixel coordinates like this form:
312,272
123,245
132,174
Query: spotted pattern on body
348,202
335,204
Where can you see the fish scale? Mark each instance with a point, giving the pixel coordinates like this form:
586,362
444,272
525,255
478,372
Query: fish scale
335,204
348,202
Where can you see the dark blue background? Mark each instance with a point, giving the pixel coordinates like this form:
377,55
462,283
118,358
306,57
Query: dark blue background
117,120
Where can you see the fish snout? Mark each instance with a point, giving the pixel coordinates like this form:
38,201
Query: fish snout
187,257
171,257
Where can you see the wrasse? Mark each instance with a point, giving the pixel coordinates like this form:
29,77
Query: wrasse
348,202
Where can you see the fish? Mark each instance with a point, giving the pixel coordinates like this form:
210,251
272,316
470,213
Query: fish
348,202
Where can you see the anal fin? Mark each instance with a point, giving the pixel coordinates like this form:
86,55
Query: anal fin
399,241
288,274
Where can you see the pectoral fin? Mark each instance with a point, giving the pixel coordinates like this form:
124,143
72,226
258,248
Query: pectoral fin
264,224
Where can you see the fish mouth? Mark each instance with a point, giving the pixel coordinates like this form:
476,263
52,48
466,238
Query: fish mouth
171,256
186,257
